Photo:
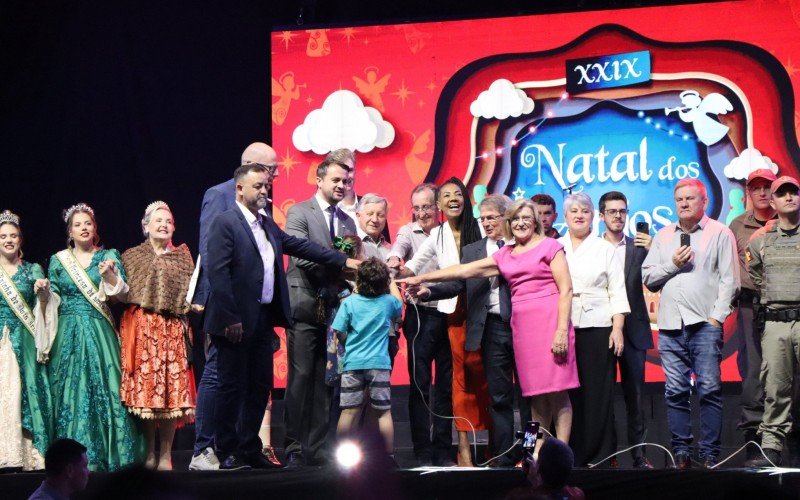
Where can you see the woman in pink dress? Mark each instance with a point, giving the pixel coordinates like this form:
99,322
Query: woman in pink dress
541,299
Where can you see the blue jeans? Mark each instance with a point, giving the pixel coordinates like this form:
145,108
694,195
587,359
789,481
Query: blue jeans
206,403
696,348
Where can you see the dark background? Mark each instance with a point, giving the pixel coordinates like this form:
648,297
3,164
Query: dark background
121,103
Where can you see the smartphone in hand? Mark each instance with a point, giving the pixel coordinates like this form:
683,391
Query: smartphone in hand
642,227
686,240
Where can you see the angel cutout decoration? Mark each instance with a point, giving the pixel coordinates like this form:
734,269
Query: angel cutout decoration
696,110
372,88
416,166
286,91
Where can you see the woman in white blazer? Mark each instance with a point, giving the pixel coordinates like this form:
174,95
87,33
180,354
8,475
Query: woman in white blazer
599,306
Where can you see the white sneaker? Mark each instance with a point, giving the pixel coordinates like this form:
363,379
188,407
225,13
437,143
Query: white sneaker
206,460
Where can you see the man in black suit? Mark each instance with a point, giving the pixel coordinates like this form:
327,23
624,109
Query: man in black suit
638,336
488,326
308,398
249,297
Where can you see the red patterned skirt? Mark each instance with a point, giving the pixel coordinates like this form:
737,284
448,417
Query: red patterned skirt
157,381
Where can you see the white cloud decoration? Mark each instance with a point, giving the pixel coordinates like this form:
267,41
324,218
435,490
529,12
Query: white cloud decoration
343,122
502,100
748,160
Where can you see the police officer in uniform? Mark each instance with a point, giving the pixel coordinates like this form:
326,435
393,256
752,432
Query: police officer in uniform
743,227
773,258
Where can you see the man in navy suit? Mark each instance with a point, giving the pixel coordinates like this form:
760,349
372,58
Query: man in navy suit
489,327
249,296
217,199
638,336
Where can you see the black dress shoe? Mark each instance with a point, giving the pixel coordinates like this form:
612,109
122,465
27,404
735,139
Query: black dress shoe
772,458
642,463
259,461
234,463
683,461
709,462
295,460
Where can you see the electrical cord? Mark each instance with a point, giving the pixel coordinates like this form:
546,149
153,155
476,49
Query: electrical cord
517,441
740,449
422,395
592,466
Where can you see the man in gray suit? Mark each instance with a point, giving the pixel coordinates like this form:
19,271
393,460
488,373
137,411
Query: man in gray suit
320,220
638,335
489,327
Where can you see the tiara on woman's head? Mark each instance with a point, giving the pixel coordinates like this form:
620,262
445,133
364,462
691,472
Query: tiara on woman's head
155,206
80,207
9,216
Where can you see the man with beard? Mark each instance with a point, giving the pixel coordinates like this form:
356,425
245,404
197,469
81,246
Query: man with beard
308,398
249,298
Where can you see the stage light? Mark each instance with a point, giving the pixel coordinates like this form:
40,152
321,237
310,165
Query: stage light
671,132
532,129
658,126
485,155
498,151
514,142
549,114
564,96
348,455
685,137
640,114
648,120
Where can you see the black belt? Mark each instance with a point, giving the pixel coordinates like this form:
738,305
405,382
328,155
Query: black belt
782,315
496,317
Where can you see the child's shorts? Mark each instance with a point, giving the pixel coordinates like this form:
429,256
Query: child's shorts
354,382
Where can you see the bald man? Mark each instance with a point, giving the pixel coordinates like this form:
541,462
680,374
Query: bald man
217,199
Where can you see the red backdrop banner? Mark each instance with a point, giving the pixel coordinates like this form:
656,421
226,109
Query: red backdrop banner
485,100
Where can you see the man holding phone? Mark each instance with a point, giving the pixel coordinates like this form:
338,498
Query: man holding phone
695,266
638,337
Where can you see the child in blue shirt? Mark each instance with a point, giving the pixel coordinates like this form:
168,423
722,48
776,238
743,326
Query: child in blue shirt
363,322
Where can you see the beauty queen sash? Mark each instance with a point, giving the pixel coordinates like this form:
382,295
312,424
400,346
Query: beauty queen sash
84,283
15,301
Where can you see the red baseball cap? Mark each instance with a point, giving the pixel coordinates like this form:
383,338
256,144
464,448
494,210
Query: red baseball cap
784,179
761,173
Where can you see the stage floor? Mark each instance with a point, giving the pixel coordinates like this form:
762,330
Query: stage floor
456,484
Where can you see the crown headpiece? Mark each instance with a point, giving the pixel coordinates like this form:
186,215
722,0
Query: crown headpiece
9,216
155,206
80,207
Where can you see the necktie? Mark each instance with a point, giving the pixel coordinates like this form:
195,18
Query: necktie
331,210
505,293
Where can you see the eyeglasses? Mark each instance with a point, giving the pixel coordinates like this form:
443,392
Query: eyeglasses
272,168
527,219
490,218
423,208
612,212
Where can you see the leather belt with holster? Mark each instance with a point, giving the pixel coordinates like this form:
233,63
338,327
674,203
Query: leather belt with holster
782,315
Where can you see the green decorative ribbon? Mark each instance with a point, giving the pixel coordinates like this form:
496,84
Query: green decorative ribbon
342,245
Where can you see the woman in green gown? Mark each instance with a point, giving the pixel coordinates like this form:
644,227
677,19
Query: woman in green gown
26,416
85,360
